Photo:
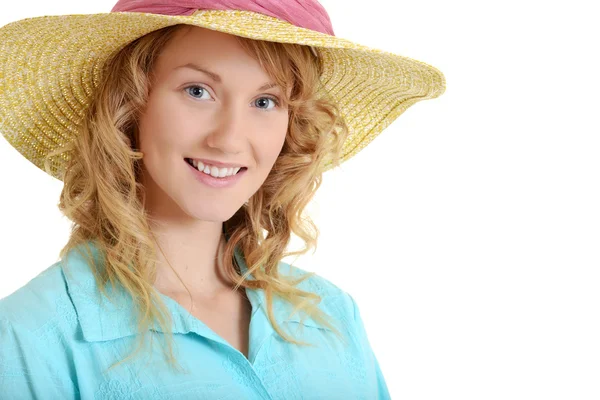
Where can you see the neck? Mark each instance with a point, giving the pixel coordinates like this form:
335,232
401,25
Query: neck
193,253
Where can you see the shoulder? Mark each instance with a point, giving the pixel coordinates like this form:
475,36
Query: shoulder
36,323
40,302
334,299
41,309
317,283
60,302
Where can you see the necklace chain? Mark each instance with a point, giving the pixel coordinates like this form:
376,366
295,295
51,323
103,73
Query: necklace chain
219,249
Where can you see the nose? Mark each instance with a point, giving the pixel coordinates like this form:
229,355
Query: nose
230,129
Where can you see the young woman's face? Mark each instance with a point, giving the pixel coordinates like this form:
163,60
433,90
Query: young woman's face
229,113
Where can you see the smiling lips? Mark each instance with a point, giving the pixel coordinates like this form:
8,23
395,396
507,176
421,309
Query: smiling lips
213,171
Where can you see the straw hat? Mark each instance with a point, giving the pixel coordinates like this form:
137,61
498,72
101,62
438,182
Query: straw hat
51,65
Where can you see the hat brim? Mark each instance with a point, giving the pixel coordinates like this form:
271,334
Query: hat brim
50,66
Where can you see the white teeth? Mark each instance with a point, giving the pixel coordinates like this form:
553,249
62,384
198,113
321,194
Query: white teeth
214,171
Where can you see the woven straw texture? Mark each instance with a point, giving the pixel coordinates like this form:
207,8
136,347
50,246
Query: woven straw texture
50,66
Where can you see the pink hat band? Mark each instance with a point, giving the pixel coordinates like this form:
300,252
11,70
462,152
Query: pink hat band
307,14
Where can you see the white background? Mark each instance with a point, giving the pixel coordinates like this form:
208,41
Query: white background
468,231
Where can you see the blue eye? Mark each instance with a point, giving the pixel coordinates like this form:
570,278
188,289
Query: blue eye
263,103
197,91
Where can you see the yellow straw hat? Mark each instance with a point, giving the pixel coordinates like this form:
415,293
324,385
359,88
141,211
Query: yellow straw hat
51,65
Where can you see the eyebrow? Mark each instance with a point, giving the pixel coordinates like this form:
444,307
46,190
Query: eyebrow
215,77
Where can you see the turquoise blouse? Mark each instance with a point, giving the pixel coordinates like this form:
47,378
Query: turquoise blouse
58,335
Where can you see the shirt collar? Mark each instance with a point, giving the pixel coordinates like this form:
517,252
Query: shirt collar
102,319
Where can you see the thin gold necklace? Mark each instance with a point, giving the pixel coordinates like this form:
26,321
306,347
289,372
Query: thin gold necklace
219,249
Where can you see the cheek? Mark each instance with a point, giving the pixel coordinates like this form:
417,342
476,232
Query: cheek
272,140
159,121
150,125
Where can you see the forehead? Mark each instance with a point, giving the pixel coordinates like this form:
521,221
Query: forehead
195,44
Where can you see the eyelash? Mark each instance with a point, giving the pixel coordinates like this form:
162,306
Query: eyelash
273,98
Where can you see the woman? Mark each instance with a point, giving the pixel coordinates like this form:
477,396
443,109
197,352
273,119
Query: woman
190,136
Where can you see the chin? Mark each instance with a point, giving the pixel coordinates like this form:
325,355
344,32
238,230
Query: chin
215,214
